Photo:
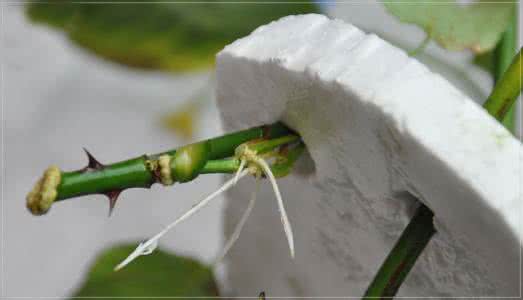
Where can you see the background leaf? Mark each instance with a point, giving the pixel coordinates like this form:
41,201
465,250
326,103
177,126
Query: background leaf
159,274
477,26
181,121
166,36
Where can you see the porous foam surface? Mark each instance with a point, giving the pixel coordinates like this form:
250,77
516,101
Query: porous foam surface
382,130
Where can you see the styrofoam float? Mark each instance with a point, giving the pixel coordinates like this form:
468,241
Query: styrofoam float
382,130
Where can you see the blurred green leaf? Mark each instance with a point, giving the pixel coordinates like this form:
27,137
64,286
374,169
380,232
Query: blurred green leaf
182,121
477,26
166,36
159,274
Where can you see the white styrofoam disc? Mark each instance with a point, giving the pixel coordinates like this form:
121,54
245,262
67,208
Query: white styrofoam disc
381,130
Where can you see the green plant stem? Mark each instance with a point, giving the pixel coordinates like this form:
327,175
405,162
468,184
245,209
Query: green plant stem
283,165
503,55
223,166
506,90
265,146
403,256
280,168
137,173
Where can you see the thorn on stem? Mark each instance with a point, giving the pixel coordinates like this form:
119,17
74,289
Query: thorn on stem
113,197
93,163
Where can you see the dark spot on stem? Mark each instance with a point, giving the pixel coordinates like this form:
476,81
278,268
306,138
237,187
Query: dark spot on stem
395,280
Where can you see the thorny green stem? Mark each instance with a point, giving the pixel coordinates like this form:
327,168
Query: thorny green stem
136,173
185,163
403,256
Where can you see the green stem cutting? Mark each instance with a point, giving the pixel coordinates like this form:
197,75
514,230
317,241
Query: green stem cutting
183,164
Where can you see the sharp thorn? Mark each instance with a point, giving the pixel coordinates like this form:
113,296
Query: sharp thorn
113,197
93,163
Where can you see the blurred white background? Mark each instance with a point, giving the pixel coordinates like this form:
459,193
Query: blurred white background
56,99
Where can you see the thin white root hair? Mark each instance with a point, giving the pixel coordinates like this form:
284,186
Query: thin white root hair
240,169
150,245
284,219
237,230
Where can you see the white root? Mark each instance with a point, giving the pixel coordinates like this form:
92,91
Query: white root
150,245
240,169
237,230
284,219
